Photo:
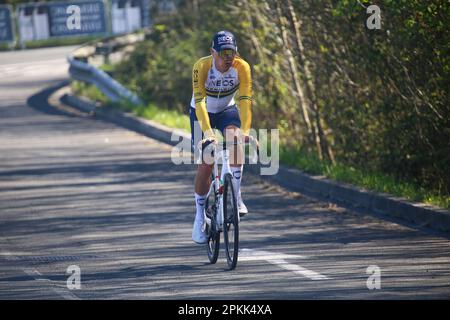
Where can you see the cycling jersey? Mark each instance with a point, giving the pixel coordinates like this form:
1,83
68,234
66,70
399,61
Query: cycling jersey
214,91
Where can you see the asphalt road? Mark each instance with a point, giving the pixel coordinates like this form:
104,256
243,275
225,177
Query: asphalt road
79,191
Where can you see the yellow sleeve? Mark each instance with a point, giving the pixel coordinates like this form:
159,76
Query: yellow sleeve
245,96
199,74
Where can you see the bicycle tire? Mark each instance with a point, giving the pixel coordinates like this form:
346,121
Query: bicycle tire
231,223
212,246
213,243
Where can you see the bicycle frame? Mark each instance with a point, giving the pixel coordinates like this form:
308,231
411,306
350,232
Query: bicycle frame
217,184
216,211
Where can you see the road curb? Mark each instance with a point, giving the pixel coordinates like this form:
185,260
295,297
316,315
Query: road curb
419,214
289,178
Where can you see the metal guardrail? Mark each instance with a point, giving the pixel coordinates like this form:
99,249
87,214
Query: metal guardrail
81,70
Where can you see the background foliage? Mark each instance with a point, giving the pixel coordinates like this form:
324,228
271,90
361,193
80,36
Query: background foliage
372,99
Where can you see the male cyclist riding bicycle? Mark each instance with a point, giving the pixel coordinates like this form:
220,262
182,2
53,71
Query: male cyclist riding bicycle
215,80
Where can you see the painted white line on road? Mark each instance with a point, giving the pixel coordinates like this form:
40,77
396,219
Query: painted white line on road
279,259
298,270
32,272
250,254
46,62
30,69
37,276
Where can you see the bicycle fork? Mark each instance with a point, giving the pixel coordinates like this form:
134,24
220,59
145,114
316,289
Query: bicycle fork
224,155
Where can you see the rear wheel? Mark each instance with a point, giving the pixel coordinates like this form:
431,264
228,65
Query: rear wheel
231,223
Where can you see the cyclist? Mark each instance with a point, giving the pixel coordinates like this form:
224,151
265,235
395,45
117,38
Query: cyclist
215,80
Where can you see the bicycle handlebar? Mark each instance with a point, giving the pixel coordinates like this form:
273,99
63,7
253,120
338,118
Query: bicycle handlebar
252,141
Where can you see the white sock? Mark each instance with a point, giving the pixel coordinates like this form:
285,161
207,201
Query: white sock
242,173
237,178
200,205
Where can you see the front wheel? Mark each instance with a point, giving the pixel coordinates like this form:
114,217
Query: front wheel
231,223
212,247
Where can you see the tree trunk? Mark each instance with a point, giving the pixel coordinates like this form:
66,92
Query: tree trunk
296,79
320,139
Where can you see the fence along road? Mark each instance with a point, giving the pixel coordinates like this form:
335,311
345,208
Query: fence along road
79,191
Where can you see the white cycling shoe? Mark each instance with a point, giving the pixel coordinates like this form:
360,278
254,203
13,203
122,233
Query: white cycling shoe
198,233
242,207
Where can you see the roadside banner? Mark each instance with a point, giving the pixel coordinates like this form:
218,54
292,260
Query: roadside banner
70,18
43,20
129,15
6,28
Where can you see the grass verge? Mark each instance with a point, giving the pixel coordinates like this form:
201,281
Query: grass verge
373,181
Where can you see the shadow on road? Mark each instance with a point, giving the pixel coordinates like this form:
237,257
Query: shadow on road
86,192
39,101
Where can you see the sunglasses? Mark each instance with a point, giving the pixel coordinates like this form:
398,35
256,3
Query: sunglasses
226,53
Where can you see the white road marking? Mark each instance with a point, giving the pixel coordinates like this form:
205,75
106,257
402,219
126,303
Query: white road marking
30,69
45,62
37,276
279,259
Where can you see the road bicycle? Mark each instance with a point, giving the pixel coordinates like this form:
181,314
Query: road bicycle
221,210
